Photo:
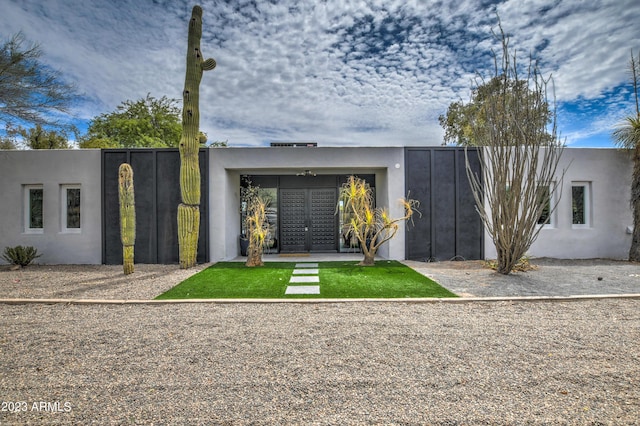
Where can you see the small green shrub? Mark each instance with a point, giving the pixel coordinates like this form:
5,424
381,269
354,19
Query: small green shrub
20,255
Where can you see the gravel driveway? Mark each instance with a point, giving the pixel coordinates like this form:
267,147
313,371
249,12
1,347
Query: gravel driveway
335,363
345,363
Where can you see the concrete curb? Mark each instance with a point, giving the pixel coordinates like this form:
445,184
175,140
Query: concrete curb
459,300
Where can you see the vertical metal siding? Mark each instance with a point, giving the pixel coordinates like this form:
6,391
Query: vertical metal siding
157,189
450,226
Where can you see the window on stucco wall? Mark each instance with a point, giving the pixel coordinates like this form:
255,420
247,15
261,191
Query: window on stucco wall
33,209
70,202
547,218
580,204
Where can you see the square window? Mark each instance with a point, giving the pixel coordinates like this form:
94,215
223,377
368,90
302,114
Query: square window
70,202
33,208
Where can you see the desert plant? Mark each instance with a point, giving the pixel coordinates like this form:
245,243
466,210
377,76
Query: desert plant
189,209
372,226
127,215
257,229
256,224
20,255
514,192
627,135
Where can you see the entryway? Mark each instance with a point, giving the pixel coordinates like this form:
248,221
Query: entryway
303,213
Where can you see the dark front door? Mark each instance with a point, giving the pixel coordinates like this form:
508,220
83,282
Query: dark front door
308,220
293,220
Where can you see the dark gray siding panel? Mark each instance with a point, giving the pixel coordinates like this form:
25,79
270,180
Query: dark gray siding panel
418,236
450,226
156,175
444,205
470,230
142,163
111,244
168,200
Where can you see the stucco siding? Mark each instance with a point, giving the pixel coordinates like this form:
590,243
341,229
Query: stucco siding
52,169
607,173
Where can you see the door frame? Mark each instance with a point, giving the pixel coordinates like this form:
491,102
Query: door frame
297,181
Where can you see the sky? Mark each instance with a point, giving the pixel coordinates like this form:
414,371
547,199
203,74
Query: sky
339,73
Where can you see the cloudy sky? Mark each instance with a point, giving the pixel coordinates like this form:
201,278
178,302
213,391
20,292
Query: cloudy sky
350,72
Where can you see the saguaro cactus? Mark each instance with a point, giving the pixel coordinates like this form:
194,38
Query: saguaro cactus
127,215
189,209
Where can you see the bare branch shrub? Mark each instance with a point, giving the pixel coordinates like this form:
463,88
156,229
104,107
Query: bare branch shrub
516,193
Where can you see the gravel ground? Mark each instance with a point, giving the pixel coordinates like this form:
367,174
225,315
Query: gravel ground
551,277
487,363
334,363
467,279
91,281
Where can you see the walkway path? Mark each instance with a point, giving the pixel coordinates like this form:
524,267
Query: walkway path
304,273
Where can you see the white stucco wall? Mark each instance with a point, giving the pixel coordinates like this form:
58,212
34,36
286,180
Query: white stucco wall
51,169
227,164
608,172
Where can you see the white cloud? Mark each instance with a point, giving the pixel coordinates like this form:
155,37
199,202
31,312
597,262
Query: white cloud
363,73
587,44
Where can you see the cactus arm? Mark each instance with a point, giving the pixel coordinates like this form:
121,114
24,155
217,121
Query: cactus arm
209,64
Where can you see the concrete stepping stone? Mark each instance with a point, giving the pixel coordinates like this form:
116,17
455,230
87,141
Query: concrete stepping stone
303,289
305,279
305,271
306,265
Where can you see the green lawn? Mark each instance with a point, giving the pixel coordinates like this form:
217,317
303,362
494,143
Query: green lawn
387,279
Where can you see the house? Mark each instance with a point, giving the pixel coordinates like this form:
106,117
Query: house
65,203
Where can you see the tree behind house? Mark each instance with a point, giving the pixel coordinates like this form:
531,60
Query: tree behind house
462,120
30,90
39,138
7,142
148,122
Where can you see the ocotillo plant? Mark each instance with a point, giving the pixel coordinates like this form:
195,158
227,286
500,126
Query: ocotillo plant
189,209
127,215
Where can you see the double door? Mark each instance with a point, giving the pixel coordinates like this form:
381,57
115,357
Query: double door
307,220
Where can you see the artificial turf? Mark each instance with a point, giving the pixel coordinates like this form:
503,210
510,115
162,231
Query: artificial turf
338,279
